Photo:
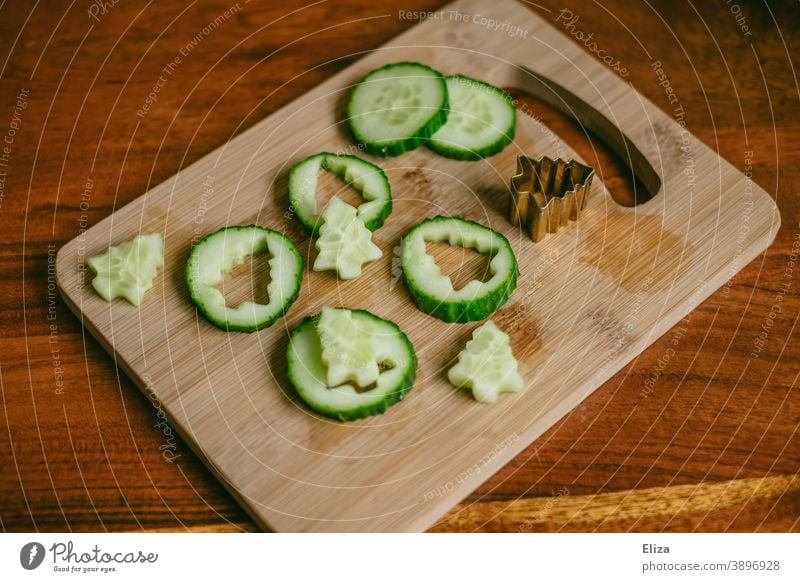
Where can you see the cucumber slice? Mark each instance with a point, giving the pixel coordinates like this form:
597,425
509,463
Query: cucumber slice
433,292
217,253
481,123
368,179
344,244
486,365
308,372
128,269
397,107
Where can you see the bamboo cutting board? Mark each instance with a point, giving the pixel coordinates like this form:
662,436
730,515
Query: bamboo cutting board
589,299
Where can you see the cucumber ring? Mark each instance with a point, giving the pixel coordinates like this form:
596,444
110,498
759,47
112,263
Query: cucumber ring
433,292
308,373
369,179
482,120
397,107
218,252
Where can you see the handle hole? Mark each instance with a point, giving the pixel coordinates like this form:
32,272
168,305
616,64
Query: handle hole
626,172
620,179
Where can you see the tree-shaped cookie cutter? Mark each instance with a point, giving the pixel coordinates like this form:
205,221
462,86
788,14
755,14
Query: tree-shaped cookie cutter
547,194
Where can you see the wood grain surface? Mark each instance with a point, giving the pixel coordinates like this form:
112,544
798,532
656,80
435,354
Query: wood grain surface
589,299
700,433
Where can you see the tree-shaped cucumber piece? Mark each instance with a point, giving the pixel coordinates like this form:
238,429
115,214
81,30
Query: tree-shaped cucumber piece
486,365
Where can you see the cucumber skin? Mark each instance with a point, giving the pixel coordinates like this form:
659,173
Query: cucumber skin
465,155
222,324
401,146
313,229
462,311
390,399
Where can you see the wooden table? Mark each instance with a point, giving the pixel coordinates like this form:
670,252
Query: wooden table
99,102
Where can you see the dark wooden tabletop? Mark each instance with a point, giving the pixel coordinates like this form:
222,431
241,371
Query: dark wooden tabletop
713,444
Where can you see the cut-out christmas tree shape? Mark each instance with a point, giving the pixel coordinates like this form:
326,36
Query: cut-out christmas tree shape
344,243
347,348
486,365
128,269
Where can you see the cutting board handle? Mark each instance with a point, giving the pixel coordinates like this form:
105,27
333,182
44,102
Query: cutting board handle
635,150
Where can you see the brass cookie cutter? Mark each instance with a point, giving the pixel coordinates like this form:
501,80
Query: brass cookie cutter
547,193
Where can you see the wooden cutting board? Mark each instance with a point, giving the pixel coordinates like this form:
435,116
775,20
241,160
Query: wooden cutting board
589,299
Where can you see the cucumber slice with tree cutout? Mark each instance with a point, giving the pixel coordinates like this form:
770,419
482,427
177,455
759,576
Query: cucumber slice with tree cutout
330,353
434,293
481,123
219,252
368,179
397,107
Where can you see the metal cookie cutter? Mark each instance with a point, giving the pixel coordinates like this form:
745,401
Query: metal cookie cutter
547,193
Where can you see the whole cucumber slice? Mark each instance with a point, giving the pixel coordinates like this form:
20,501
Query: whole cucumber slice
397,107
481,122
